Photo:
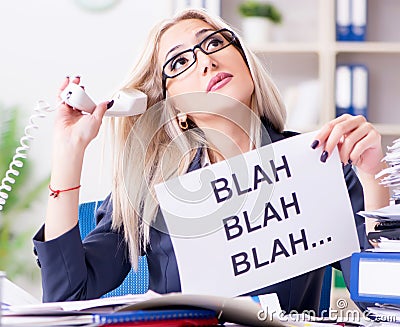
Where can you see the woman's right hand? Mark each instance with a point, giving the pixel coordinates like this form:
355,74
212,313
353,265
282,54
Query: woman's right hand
73,128
73,131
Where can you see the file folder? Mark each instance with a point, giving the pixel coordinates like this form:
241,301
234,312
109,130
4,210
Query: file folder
179,317
343,90
351,90
374,277
343,20
351,20
358,20
359,96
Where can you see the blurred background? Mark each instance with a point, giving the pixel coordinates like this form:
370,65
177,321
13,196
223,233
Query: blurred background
43,41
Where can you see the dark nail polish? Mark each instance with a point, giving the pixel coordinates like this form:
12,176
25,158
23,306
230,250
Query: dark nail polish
324,156
314,144
110,104
349,162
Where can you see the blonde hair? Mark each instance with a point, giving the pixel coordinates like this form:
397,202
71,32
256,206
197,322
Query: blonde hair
141,145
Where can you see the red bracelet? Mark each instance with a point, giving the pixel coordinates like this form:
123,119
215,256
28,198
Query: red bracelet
55,193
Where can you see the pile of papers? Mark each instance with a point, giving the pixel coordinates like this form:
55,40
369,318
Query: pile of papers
392,173
387,229
149,309
374,275
389,213
71,313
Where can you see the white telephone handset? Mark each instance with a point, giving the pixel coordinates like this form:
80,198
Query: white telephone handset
126,103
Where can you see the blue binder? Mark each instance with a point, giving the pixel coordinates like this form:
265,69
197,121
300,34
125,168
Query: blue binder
343,90
374,277
142,316
351,90
359,90
351,20
358,29
343,20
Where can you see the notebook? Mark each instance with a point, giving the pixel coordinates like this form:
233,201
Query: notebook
175,317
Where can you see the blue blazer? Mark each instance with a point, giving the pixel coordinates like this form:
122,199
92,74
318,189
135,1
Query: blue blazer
76,270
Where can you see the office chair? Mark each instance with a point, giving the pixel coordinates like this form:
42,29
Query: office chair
135,282
325,301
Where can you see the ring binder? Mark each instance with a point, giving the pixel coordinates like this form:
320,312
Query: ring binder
351,90
358,20
162,316
343,90
374,276
343,20
351,20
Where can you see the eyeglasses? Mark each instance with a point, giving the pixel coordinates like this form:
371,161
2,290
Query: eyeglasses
181,62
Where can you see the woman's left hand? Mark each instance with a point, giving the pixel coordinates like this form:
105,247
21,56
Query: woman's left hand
358,142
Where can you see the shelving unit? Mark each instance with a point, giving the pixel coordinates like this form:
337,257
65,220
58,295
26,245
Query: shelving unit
307,49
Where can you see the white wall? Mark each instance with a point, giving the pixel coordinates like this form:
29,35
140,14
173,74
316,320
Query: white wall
42,41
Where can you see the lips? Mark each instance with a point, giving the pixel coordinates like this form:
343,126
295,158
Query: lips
219,81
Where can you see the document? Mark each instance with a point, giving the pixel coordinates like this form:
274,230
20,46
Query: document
69,313
146,307
238,224
12,294
81,306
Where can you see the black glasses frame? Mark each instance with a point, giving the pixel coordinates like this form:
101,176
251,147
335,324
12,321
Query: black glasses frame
197,46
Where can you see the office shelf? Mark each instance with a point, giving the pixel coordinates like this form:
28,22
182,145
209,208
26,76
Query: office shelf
308,50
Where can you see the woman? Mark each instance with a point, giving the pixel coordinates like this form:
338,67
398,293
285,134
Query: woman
192,52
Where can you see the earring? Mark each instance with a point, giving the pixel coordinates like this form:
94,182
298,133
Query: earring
182,120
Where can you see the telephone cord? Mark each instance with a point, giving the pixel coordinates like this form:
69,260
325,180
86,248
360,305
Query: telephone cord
41,110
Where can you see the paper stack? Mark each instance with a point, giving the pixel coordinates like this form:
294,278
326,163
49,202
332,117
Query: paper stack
374,273
392,179
387,229
149,309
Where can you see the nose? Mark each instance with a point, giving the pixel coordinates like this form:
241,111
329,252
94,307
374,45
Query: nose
206,62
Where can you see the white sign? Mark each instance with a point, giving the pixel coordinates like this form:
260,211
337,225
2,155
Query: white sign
259,218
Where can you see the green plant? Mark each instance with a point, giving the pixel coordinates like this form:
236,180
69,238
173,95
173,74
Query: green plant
253,8
13,239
